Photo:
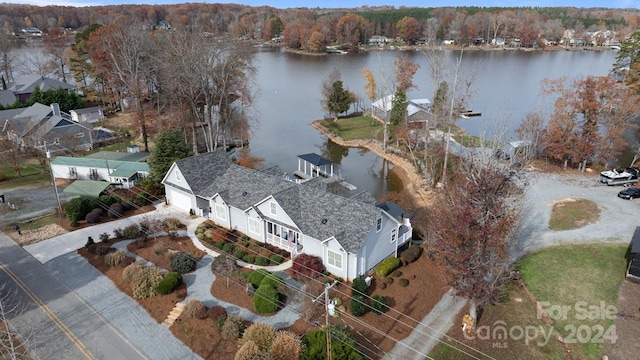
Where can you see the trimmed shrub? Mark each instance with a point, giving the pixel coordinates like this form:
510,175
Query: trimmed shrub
262,261
305,265
248,259
144,225
216,312
403,282
228,247
359,287
266,299
379,304
251,351
114,258
287,346
255,277
141,198
358,305
388,280
93,217
115,210
274,281
232,328
396,273
104,237
183,263
172,223
196,309
89,242
131,232
276,259
109,200
238,254
411,254
218,245
259,333
78,208
145,283
131,271
383,286
118,233
169,283
387,266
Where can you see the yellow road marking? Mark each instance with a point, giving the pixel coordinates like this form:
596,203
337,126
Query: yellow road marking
56,320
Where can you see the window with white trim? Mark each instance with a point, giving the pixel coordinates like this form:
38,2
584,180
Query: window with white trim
273,208
221,212
79,135
393,235
254,226
379,223
178,176
334,258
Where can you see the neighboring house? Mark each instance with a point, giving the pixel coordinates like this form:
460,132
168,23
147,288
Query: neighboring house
378,40
7,98
633,268
350,235
40,125
418,110
23,87
88,115
122,169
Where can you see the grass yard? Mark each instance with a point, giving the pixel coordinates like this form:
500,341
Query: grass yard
579,284
30,175
472,141
569,214
352,128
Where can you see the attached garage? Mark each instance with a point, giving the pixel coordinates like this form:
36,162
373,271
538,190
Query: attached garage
179,198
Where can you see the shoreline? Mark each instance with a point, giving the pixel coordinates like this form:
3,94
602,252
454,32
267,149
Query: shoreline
411,181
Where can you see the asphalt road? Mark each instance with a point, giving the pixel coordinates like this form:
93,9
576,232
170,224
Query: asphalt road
59,324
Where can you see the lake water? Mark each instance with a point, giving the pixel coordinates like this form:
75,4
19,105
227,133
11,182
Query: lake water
505,87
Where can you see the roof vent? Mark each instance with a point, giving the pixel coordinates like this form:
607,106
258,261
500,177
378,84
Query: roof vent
244,193
324,221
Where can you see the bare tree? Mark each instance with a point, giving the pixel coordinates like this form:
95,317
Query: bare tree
16,341
225,266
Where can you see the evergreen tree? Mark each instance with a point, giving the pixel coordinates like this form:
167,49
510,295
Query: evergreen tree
398,107
339,100
170,146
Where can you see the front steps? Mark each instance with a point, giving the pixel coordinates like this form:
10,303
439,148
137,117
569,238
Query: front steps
174,314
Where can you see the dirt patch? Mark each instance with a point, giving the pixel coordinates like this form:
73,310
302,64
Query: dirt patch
569,214
627,324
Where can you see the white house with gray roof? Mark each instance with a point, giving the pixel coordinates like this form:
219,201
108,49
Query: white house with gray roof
350,235
121,169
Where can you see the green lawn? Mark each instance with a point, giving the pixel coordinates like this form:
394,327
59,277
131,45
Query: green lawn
472,141
573,214
578,281
352,128
30,175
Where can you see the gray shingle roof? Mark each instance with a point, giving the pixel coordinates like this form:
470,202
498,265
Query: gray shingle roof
26,84
315,212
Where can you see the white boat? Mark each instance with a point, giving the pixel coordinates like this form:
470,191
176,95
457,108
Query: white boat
619,176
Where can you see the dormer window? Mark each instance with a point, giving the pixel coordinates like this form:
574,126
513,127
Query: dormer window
178,176
273,208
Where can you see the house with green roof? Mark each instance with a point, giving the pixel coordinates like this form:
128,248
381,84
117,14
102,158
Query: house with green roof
350,235
121,169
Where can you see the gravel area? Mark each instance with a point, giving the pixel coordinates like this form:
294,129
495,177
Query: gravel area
617,222
29,204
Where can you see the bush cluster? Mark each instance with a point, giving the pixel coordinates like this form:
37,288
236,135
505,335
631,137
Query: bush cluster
359,287
358,305
114,258
94,216
232,328
104,237
261,334
144,284
274,281
262,261
287,346
266,299
248,259
172,223
411,254
115,210
78,208
306,265
387,266
403,282
255,277
196,309
183,263
142,198
131,232
131,271
228,248
169,283
379,304
276,259
216,312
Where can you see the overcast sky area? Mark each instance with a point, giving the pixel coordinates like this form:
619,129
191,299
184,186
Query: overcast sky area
282,4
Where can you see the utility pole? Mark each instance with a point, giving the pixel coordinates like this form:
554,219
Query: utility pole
329,308
53,179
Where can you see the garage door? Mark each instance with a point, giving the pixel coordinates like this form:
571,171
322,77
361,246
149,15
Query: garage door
179,199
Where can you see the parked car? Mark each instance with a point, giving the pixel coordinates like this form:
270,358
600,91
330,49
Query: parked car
629,193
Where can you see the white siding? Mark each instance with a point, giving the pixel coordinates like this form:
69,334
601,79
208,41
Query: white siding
180,199
281,215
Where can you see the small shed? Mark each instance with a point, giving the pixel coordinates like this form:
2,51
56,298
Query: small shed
633,271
